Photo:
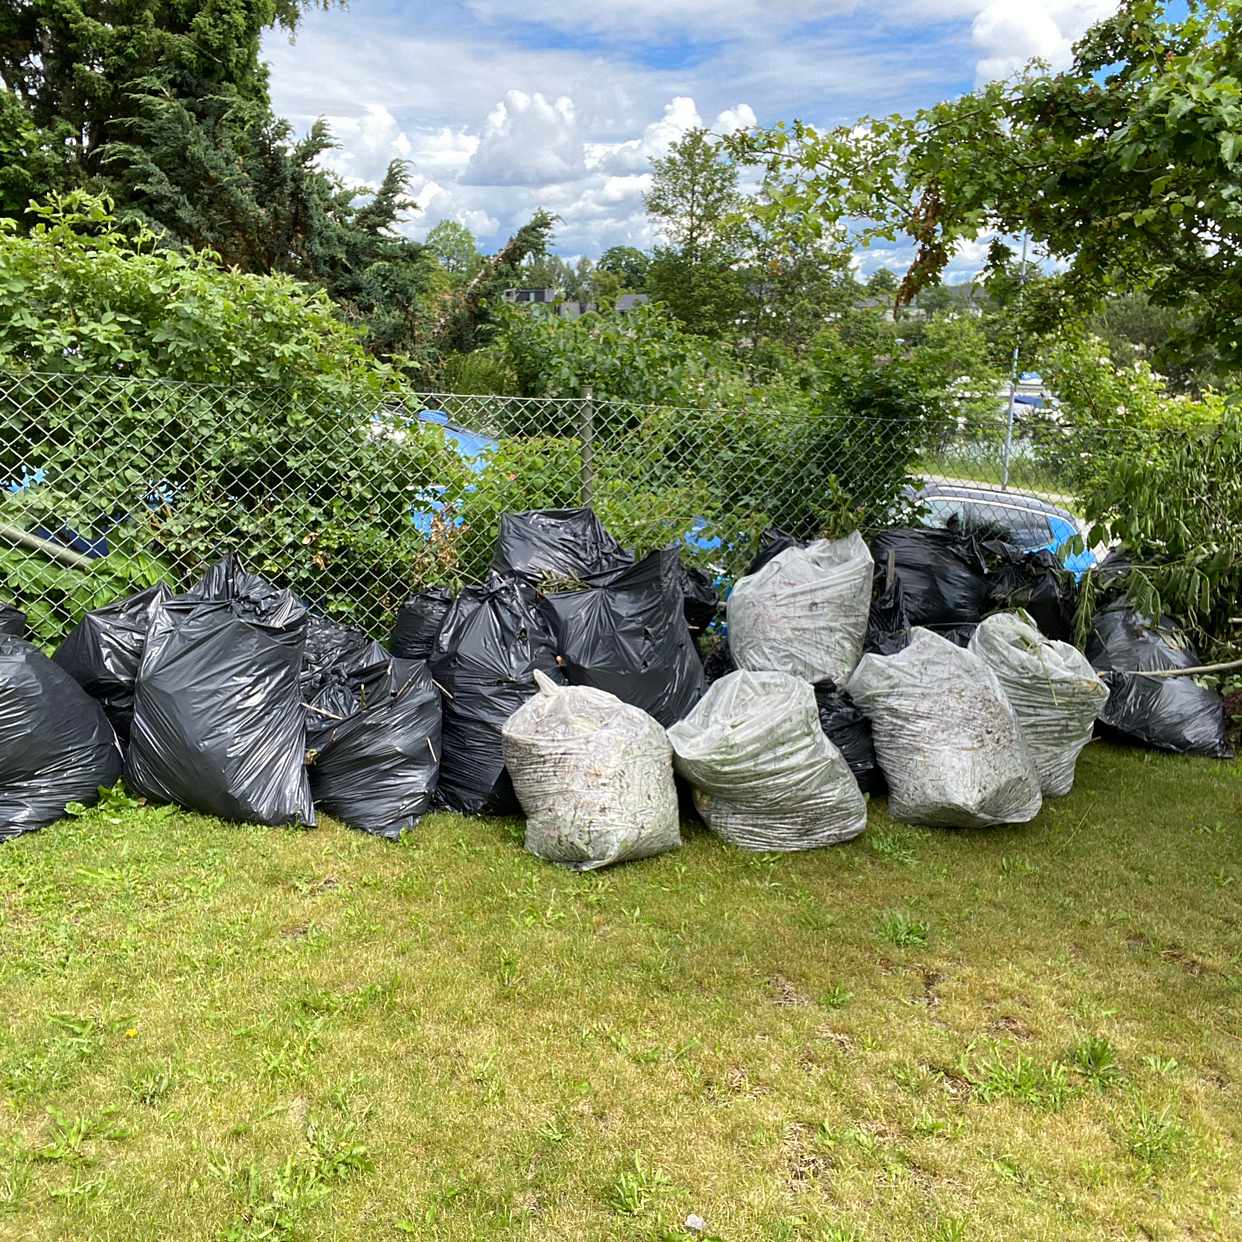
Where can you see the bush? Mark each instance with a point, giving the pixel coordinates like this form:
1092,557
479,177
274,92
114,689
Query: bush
1159,474
181,410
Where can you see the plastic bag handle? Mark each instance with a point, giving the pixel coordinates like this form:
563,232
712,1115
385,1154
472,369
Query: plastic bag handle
545,683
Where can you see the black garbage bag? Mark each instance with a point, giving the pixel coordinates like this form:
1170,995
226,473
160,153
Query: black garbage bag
959,634
944,578
888,623
218,724
12,621
102,653
559,544
700,599
492,641
325,642
373,742
1036,582
56,745
850,732
772,542
626,633
228,580
418,622
718,662
1167,713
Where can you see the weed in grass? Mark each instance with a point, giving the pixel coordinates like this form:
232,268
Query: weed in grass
1164,1066
507,972
79,1189
634,1187
1154,1138
898,928
1021,1079
1010,1169
928,1126
273,1206
335,1154
550,1132
152,1084
14,1178
1096,1060
293,1058
949,1229
1018,866
837,997
70,1134
911,1077
841,1233
892,846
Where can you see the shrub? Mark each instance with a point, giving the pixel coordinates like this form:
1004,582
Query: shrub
182,410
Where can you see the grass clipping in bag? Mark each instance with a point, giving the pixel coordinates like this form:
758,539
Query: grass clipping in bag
594,777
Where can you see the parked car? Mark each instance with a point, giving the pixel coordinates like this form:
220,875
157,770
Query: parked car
1029,520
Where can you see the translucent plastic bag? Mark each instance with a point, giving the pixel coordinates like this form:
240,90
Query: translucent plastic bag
594,776
804,612
946,737
765,777
1052,688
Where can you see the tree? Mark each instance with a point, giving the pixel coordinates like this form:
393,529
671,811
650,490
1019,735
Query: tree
882,283
454,247
629,264
221,173
1134,329
167,108
694,200
33,161
1125,166
79,62
466,317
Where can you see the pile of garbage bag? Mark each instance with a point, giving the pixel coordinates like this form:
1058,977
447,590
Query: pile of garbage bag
946,737
947,581
584,685
1052,688
557,545
804,612
594,777
848,729
1167,713
943,578
56,745
373,741
764,775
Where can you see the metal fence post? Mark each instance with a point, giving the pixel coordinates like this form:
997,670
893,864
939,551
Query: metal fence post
1013,367
586,438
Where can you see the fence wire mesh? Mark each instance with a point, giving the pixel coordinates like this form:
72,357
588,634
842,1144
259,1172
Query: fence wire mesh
352,501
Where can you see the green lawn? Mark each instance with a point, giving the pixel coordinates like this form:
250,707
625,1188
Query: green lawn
212,1031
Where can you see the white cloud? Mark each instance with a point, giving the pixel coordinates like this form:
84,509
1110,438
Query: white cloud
1011,32
528,140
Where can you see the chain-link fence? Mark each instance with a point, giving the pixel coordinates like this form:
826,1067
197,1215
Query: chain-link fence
110,483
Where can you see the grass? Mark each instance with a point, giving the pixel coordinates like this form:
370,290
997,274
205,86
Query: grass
222,1032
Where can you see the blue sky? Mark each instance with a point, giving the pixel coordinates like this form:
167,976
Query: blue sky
504,106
